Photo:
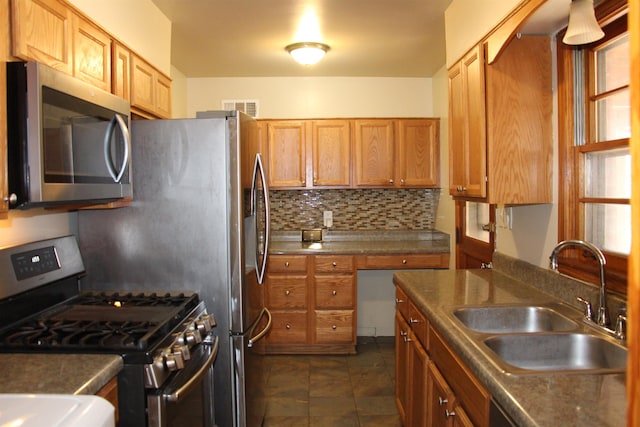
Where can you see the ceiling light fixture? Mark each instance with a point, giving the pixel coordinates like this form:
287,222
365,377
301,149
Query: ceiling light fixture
307,53
583,27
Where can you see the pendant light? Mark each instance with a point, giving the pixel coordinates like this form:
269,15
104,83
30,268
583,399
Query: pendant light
583,27
307,53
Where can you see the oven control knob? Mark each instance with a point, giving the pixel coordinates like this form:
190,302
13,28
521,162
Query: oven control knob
174,361
182,351
203,324
192,337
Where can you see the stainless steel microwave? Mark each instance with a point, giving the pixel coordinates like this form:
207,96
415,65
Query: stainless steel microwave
68,143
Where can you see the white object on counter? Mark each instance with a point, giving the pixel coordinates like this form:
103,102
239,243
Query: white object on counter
55,410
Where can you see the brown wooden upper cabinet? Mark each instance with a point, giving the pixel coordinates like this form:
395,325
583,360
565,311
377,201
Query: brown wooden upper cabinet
308,153
397,153
150,89
48,31
500,136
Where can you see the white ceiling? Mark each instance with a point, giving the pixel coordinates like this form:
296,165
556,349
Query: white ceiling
374,38
246,38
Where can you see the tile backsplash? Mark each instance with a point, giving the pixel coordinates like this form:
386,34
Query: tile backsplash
354,209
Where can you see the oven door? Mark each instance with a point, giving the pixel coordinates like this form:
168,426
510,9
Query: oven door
187,399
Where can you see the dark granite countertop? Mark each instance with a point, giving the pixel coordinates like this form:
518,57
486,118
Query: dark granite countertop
538,400
57,373
362,243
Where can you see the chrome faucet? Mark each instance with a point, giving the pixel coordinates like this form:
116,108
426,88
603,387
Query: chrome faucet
603,311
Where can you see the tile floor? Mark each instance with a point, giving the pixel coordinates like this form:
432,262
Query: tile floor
333,391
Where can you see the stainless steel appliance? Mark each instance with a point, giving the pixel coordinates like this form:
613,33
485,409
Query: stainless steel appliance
199,216
165,339
68,142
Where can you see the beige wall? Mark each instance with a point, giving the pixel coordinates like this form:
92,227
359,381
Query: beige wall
468,21
139,24
311,97
179,102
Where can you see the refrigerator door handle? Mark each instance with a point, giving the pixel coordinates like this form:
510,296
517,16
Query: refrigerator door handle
257,337
261,258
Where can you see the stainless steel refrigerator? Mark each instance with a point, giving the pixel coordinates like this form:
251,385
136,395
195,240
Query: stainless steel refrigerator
199,221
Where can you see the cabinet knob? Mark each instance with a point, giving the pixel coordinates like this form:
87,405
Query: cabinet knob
334,327
288,326
412,320
287,292
315,182
334,293
391,181
448,413
304,183
407,339
399,301
334,264
442,401
286,264
404,261
460,188
402,181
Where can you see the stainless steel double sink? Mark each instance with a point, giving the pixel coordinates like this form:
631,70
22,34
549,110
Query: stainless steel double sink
541,338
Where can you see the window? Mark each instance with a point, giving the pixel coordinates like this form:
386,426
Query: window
595,161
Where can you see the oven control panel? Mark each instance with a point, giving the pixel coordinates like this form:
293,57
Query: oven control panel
35,262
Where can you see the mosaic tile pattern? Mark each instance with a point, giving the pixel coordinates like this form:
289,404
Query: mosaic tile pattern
353,209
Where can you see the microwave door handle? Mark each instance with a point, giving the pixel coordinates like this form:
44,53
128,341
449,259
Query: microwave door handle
119,121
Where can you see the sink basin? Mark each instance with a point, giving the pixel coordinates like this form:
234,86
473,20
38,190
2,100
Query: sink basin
513,319
558,352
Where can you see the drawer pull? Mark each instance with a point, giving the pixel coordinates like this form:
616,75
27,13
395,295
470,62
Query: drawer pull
334,327
334,264
287,292
412,320
286,264
442,401
404,261
334,293
407,339
288,326
448,413
400,301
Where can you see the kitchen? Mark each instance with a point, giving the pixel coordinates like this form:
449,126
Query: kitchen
530,222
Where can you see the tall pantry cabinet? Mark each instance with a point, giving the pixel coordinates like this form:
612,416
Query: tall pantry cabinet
500,131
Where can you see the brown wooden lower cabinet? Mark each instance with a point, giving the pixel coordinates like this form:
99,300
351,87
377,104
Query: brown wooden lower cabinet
434,388
109,392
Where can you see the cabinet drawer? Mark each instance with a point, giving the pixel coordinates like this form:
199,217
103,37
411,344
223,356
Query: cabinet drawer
397,262
287,292
334,263
402,303
288,327
334,327
418,324
473,396
287,264
335,291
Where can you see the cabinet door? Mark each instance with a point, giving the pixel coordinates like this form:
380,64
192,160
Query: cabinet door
162,87
91,54
335,327
418,153
417,415
441,399
374,153
142,82
473,70
457,131
42,31
467,127
121,72
331,151
286,142
402,366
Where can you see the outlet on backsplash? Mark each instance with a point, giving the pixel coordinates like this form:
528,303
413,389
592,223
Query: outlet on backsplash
327,219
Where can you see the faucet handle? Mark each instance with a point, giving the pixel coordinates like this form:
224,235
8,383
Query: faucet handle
588,310
621,327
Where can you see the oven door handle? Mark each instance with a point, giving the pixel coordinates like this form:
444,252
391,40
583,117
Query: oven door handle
177,395
257,337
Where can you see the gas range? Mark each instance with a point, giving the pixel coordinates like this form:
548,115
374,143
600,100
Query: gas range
160,336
